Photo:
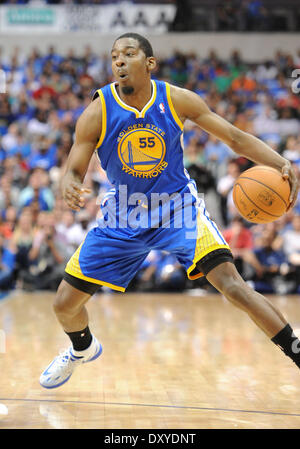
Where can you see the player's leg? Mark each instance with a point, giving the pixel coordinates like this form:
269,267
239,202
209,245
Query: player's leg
226,279
106,257
207,253
69,306
71,313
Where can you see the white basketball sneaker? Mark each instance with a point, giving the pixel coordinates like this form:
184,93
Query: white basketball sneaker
61,368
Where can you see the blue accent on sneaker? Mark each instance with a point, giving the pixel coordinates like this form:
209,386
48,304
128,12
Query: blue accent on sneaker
96,355
58,385
74,357
46,370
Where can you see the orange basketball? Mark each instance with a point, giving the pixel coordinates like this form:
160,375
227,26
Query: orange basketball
261,195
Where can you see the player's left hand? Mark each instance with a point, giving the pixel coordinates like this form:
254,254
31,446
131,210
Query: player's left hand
289,174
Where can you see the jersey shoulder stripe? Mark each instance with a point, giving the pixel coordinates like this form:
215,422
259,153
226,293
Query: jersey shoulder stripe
99,93
171,106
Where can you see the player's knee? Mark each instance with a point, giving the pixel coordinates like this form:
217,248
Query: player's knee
228,282
64,302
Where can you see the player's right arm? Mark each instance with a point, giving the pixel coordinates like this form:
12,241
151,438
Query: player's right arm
189,105
87,132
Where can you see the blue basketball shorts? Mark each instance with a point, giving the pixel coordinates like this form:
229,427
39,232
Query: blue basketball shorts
112,255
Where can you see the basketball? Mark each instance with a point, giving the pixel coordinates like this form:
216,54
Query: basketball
261,195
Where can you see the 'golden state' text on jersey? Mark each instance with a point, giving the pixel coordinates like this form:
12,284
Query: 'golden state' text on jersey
142,149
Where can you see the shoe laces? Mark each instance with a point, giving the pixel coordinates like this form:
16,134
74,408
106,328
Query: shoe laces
64,359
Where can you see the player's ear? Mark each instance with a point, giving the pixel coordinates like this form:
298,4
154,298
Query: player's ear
151,63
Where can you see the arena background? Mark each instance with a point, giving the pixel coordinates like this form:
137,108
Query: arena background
241,56
55,54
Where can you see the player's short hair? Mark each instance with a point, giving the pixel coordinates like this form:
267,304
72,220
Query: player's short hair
143,42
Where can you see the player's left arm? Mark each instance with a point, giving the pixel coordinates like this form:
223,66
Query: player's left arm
189,105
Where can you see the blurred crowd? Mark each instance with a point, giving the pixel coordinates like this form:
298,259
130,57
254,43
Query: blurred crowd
46,93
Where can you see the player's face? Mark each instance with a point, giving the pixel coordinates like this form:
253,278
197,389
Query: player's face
130,65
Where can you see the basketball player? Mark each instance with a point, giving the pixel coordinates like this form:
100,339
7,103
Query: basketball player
135,125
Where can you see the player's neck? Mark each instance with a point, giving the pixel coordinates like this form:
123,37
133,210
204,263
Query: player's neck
139,98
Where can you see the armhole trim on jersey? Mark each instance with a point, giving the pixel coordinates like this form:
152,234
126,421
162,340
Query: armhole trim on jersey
171,106
96,95
104,119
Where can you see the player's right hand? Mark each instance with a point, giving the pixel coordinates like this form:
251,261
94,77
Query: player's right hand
73,195
289,173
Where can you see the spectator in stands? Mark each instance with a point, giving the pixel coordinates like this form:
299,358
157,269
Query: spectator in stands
178,69
9,216
8,192
194,153
71,229
287,122
240,240
10,139
7,264
291,244
47,257
78,232
223,80
20,146
292,149
266,71
215,150
243,84
273,271
224,188
6,114
217,155
22,239
45,157
36,192
198,168
45,90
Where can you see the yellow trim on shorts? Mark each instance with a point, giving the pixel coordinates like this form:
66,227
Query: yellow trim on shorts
205,244
203,254
73,268
172,109
104,118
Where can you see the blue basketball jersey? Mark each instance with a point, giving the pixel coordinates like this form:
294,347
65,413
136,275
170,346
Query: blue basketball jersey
142,149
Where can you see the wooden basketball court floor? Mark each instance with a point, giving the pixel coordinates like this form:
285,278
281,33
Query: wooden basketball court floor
170,361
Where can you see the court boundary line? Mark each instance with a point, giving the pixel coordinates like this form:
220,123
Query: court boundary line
183,407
